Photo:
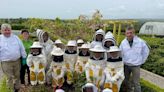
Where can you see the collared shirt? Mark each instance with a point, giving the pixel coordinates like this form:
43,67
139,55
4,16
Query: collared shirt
135,55
130,43
11,48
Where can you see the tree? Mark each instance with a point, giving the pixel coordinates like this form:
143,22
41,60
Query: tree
83,18
97,16
34,23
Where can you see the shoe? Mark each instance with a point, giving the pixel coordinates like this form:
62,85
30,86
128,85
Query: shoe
16,90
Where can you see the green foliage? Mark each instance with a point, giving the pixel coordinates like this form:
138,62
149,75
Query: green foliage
3,85
35,23
148,87
155,61
79,81
40,88
18,26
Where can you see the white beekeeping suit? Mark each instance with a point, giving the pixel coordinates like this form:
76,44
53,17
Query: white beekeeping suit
83,57
37,63
95,40
114,71
89,87
59,90
95,66
80,42
56,71
107,90
58,43
70,58
47,45
108,41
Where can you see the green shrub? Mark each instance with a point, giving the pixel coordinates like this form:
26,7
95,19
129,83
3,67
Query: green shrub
148,87
3,85
18,26
156,58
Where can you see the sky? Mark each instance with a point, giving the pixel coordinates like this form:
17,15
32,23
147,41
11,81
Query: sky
71,9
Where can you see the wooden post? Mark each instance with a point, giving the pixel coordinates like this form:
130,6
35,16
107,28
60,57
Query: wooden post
104,27
119,32
114,30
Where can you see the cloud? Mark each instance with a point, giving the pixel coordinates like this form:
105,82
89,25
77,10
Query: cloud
117,8
73,8
92,11
160,6
69,10
122,7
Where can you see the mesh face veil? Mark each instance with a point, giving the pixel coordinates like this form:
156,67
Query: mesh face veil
58,58
36,51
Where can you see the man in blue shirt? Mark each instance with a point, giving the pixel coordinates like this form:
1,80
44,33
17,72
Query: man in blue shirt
11,52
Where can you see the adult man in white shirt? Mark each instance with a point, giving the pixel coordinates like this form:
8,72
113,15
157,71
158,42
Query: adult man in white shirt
11,50
134,54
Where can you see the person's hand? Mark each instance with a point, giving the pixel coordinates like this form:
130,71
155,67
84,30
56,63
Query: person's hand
24,61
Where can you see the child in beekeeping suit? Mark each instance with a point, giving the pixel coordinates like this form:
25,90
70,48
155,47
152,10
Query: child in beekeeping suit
59,44
70,58
37,63
114,71
89,87
83,57
80,42
98,38
108,41
57,69
95,66
47,44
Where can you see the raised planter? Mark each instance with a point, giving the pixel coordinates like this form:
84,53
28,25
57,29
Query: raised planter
152,78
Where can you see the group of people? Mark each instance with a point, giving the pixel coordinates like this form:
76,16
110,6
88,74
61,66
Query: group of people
104,64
